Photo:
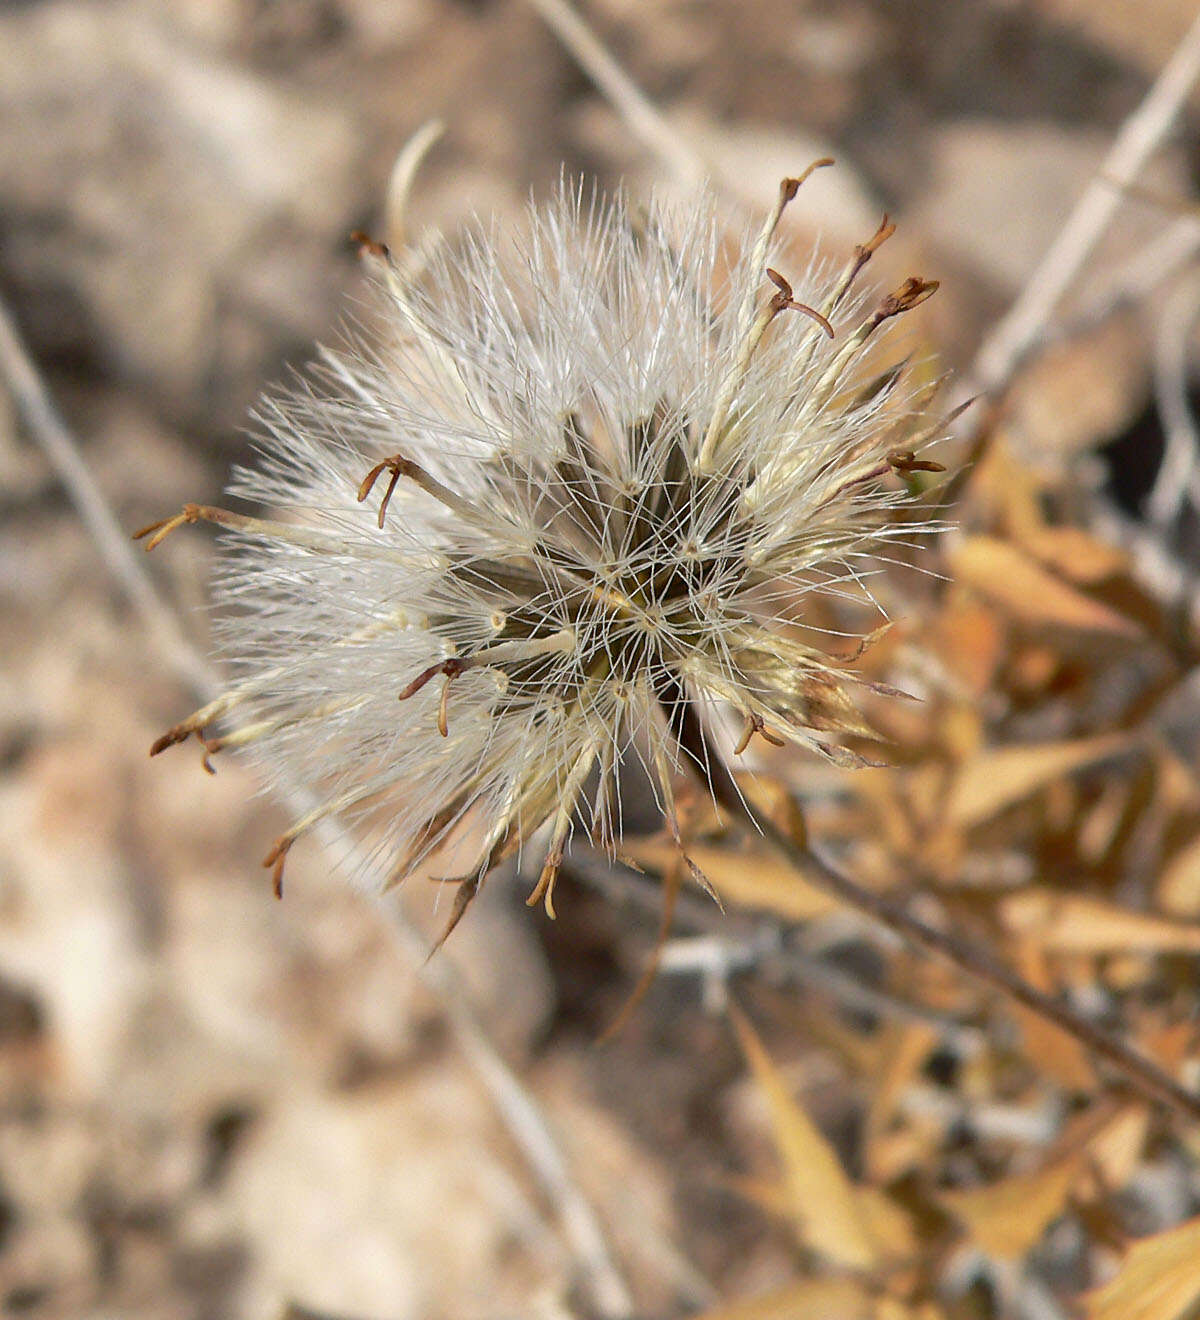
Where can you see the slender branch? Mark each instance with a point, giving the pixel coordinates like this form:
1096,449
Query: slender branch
1140,1072
517,1109
767,937
1176,482
642,117
1021,328
1149,267
50,431
526,1124
1168,577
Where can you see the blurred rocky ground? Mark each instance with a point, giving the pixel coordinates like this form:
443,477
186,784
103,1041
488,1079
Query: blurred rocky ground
215,1105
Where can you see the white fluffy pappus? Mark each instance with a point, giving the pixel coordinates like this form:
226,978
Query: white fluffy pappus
564,486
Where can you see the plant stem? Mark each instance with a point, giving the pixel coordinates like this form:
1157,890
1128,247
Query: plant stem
1141,1073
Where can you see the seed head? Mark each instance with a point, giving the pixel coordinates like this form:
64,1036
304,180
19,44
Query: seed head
562,486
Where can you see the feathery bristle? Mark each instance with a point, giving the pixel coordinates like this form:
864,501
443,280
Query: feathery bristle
558,482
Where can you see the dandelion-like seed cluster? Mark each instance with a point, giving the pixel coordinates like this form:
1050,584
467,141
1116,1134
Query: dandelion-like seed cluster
559,492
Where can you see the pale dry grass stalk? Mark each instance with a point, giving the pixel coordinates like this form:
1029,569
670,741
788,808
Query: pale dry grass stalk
1178,479
645,121
1149,268
1021,329
598,1274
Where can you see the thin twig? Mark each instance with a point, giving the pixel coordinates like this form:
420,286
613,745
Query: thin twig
48,428
1149,267
1176,480
526,1124
518,1110
642,117
1020,330
1168,577
1141,1073
774,953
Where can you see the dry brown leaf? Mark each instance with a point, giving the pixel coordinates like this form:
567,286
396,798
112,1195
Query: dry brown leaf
993,780
890,1226
1055,1053
1179,884
961,730
969,640
751,878
823,1203
1005,490
1159,1279
831,1299
843,1040
1087,388
1073,923
1177,781
891,1308
906,1047
895,816
913,1146
1032,667
1117,1148
1172,1044
1030,593
823,1299
775,799
1100,824
1073,553
769,1197
1007,1218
